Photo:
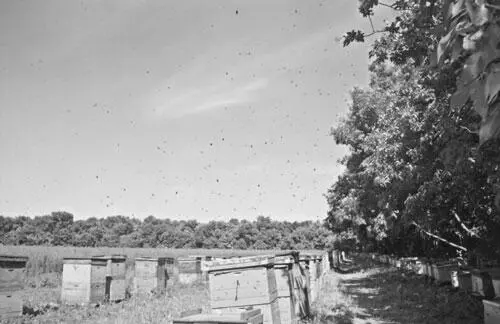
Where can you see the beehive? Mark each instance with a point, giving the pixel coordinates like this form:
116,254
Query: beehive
189,269
442,272
482,284
115,276
83,281
172,272
465,280
240,283
150,275
12,271
495,278
242,317
283,269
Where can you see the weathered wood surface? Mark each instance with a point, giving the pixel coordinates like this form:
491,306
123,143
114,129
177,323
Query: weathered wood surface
243,317
115,276
11,306
12,272
150,275
242,287
491,311
271,312
83,281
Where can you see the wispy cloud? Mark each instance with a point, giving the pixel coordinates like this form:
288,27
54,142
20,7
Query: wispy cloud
200,87
203,99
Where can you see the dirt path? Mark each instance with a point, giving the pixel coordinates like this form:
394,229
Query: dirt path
371,293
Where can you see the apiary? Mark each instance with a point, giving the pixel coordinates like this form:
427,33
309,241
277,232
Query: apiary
150,275
115,276
12,271
84,280
242,283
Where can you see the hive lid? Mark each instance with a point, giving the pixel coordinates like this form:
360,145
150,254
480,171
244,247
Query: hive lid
154,259
13,258
230,264
113,257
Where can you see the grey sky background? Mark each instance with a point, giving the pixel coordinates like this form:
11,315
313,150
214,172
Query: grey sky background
183,109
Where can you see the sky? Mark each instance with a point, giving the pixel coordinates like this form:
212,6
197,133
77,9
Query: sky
206,110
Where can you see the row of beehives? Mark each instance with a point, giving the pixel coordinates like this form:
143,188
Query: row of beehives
483,283
282,287
103,278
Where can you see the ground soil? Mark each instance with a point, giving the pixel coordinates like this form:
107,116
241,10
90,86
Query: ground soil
369,292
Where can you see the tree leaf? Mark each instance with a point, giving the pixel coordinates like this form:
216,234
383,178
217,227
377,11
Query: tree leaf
444,45
492,84
478,14
490,127
459,98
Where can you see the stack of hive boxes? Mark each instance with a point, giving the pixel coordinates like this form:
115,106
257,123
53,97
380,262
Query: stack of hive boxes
237,284
12,271
84,280
150,275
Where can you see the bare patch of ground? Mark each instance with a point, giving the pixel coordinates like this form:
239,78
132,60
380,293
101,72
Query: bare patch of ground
370,293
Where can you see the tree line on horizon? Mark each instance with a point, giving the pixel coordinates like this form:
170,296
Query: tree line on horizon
60,229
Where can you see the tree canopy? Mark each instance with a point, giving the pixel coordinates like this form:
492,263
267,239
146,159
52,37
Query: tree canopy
422,172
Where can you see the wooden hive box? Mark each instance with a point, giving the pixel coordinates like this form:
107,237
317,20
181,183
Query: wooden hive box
442,272
172,272
482,283
116,285
283,269
189,269
491,311
12,272
150,275
495,279
83,281
241,283
253,316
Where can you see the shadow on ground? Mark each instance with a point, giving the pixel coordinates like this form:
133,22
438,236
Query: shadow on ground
366,292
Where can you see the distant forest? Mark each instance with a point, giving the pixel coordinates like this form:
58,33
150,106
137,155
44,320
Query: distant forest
60,229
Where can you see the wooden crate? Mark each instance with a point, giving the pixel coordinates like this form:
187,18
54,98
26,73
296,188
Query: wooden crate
115,276
83,281
491,311
253,316
270,312
150,275
242,287
12,272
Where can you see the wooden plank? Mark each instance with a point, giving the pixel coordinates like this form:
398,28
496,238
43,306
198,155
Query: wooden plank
231,264
11,306
76,282
242,287
12,272
270,312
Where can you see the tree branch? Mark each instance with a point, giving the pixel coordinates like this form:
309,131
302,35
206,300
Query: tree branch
468,130
469,231
439,238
